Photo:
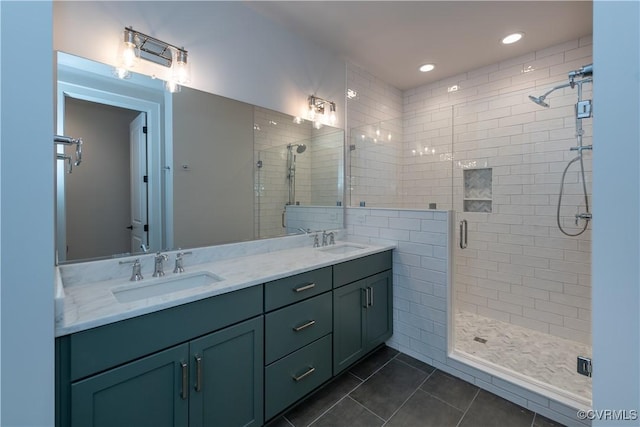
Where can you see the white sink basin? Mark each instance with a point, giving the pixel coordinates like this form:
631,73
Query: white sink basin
161,286
341,249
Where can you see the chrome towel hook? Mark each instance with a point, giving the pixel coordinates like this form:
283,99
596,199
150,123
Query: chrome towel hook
67,140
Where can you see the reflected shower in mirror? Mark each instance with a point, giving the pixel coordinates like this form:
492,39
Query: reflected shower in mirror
184,170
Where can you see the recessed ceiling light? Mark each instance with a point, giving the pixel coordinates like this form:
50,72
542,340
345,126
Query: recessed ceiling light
427,67
512,38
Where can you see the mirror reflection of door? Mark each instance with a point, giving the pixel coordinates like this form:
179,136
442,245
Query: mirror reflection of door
138,161
105,197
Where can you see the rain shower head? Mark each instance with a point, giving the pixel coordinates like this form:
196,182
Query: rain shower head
301,147
539,100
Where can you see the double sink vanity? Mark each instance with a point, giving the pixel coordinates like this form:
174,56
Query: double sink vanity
245,332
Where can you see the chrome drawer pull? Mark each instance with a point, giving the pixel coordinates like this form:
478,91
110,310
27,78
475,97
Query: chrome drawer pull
185,381
305,287
306,325
309,372
198,373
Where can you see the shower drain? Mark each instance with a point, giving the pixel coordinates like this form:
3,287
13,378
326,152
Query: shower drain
480,340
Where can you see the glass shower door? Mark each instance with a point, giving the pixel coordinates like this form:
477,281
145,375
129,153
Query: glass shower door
521,293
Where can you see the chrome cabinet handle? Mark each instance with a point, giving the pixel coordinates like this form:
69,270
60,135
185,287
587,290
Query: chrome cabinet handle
306,325
463,234
366,297
185,381
310,371
198,373
304,287
370,296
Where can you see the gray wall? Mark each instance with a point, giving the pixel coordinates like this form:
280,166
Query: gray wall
98,191
213,194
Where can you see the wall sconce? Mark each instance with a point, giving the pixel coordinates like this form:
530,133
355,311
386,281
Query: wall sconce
321,112
136,45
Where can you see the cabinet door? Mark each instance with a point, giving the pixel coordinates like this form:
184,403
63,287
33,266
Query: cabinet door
147,392
348,325
227,377
379,317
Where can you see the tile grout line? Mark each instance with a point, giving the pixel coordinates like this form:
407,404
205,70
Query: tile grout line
411,395
464,414
337,401
368,410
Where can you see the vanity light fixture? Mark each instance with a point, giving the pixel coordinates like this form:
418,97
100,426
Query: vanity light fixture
321,112
512,38
137,45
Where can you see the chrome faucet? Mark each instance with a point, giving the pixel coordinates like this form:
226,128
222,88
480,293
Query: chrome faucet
136,273
158,266
324,237
179,268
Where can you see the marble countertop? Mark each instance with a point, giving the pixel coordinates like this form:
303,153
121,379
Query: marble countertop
92,304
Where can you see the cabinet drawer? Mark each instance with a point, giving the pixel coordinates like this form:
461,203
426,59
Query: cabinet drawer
101,348
297,325
350,271
296,288
294,376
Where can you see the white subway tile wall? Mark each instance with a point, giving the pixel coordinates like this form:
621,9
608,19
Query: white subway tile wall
318,170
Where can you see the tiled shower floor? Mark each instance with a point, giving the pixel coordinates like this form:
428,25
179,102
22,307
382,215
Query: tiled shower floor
543,357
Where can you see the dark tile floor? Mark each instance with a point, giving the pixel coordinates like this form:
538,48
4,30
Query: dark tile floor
389,388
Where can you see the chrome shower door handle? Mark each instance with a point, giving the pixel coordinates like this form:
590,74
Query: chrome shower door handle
463,234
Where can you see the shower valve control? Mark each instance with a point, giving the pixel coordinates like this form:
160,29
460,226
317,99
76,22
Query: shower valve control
583,109
585,366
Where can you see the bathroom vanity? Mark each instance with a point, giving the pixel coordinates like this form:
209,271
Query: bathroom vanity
240,350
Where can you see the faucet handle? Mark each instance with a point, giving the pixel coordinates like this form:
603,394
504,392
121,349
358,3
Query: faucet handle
136,273
332,238
158,269
179,268
316,243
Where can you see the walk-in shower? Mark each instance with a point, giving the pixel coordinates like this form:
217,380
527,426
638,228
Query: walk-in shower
582,111
291,169
519,306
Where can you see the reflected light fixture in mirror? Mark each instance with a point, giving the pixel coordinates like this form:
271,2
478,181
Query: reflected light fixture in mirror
321,112
136,45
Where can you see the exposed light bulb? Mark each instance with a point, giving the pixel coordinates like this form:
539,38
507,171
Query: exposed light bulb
311,112
181,69
130,54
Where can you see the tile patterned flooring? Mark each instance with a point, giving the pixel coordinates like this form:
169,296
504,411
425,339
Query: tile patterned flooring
389,388
548,359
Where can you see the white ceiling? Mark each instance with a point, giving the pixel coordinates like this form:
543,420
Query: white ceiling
392,38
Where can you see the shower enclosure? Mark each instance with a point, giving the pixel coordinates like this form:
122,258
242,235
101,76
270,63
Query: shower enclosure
520,300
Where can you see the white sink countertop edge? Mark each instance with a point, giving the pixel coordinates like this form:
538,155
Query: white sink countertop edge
93,304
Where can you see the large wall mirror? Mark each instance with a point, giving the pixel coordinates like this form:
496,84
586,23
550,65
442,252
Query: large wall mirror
163,171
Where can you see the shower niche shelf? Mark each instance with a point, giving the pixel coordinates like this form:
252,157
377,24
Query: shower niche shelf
478,190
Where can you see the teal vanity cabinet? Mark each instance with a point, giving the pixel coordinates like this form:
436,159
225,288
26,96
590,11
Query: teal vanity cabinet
298,342
198,364
362,307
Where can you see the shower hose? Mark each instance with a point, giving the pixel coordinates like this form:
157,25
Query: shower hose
586,199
